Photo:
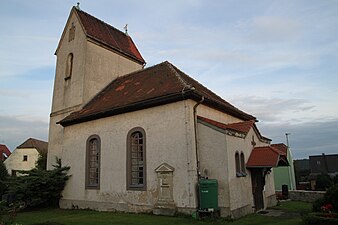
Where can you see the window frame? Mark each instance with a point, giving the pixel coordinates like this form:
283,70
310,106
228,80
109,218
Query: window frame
129,185
240,164
69,66
25,158
88,185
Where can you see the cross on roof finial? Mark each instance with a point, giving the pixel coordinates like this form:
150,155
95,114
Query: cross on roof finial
126,29
78,5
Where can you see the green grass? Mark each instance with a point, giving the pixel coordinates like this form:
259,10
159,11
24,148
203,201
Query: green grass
87,217
294,206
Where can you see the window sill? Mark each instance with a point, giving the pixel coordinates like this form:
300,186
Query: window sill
136,188
241,174
92,187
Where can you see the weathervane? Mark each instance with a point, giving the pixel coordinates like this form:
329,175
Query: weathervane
126,29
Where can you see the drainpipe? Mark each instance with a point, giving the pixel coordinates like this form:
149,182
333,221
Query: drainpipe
196,142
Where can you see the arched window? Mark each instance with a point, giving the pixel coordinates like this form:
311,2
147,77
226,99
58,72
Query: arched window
93,162
238,166
243,164
136,159
69,66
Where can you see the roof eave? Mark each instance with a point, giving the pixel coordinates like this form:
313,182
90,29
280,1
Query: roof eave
128,108
97,41
179,96
259,166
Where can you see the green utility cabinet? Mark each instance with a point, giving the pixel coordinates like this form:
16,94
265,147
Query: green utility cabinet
208,194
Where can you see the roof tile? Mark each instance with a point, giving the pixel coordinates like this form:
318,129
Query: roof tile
156,85
4,150
108,35
40,146
266,156
243,127
281,147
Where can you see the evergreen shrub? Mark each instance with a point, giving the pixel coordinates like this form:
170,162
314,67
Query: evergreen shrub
39,187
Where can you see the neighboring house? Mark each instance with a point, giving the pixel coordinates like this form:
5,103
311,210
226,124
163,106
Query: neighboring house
4,152
24,157
302,171
139,140
322,164
284,175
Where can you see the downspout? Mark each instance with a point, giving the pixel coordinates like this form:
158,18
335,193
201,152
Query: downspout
196,142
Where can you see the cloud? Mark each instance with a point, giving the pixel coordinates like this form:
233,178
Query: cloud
311,138
14,131
274,29
272,109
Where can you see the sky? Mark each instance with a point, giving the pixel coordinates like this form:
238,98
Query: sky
276,60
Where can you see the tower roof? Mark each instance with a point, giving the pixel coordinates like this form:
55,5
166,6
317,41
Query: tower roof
108,36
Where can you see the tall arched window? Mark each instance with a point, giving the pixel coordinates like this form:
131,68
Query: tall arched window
69,66
238,167
93,162
243,164
136,159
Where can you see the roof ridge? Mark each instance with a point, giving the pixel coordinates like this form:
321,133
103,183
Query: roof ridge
277,150
101,21
180,79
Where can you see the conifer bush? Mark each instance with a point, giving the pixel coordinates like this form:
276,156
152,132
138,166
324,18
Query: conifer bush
39,187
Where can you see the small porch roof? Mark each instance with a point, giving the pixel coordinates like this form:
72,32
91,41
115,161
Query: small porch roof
266,157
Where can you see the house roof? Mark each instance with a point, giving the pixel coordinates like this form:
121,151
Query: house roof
4,150
153,86
323,163
266,156
40,146
282,147
242,127
109,36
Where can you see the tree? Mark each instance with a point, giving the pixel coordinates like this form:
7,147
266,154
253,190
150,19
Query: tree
41,163
3,178
323,181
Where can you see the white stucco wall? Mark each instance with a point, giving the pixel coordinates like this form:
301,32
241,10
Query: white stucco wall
15,160
216,115
217,154
213,163
169,139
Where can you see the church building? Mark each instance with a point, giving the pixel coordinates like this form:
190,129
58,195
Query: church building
139,139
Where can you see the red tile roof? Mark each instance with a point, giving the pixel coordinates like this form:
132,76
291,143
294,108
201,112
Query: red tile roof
281,147
266,156
108,35
4,150
156,85
40,146
243,127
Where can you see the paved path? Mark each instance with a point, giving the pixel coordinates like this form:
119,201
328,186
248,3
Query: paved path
278,213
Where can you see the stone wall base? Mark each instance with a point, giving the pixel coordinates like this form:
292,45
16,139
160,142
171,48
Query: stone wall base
132,208
305,196
271,201
104,206
242,211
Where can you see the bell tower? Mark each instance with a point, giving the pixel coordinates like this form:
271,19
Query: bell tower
90,54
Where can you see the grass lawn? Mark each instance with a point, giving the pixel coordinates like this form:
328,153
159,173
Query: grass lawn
86,217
